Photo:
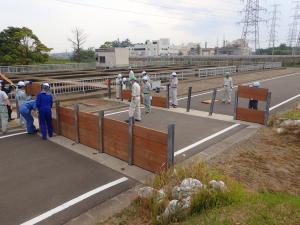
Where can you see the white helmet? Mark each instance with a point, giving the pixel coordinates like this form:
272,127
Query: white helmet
124,79
256,84
46,85
145,78
174,74
21,84
144,72
120,76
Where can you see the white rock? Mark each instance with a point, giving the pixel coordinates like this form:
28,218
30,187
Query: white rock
287,123
297,123
176,192
217,185
280,130
191,183
171,209
186,202
161,194
146,192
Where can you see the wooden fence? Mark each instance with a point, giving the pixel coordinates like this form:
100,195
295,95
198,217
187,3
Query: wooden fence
150,148
33,89
156,100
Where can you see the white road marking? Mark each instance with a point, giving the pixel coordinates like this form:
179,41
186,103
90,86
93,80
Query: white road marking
119,112
73,202
284,102
11,135
205,139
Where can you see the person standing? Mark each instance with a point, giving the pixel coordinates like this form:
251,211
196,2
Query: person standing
253,103
228,86
25,110
21,97
4,102
135,104
7,90
147,94
44,102
173,87
119,85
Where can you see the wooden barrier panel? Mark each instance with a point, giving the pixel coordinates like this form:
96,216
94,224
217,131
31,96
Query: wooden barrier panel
159,101
88,129
260,94
149,149
67,123
54,125
126,94
115,138
33,89
250,115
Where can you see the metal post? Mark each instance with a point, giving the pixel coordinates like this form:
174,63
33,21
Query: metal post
109,88
168,96
188,105
122,91
17,108
130,141
267,112
57,107
213,100
171,145
236,102
100,125
76,110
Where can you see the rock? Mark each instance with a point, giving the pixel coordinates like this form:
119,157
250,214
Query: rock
217,185
296,132
191,183
297,123
161,194
171,209
146,192
176,192
280,130
186,202
187,188
287,123
298,106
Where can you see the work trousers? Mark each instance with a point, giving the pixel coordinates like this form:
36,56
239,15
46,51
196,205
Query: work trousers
147,102
227,94
173,93
31,129
118,91
135,108
3,117
45,117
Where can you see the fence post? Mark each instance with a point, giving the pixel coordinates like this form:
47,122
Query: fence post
57,107
171,145
121,91
236,102
188,104
109,88
100,126
168,96
17,108
267,112
130,140
76,110
213,100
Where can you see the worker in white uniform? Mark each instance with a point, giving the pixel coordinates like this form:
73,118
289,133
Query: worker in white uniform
21,97
119,85
124,80
135,104
173,89
4,102
228,86
147,94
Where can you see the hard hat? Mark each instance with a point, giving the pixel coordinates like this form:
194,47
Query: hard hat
46,85
145,78
124,79
144,72
21,83
132,78
120,76
129,67
256,84
174,74
227,73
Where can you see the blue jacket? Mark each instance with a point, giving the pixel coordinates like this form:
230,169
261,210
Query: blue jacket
27,106
44,101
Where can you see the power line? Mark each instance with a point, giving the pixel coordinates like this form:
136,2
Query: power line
273,26
294,27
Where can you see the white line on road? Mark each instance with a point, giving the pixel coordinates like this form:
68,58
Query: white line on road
205,139
284,102
73,202
11,135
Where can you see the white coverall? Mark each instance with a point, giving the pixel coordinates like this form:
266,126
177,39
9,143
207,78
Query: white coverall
173,90
118,87
21,97
3,111
135,104
228,85
147,96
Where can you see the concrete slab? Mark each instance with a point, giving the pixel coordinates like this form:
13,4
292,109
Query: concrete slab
282,88
37,177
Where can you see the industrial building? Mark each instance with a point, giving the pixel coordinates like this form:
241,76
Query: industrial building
112,57
237,47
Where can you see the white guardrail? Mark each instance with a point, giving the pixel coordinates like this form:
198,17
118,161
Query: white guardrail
100,83
47,68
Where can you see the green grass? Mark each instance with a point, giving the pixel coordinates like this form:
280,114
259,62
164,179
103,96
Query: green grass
52,60
293,115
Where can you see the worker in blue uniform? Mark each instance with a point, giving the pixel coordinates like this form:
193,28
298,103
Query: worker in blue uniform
44,102
25,110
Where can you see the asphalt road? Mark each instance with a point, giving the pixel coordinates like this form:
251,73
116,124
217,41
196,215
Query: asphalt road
282,89
37,177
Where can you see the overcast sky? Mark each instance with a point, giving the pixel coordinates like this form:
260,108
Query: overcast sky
182,21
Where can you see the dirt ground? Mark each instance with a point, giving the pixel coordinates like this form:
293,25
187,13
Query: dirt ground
266,162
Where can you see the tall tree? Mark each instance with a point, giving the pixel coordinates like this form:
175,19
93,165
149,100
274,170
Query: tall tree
20,46
78,40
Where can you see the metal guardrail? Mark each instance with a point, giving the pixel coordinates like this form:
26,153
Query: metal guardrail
47,68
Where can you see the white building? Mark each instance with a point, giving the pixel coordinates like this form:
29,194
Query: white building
112,57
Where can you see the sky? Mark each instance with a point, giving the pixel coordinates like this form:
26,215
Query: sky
183,21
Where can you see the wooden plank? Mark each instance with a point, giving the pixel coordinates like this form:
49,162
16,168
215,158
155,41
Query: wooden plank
260,94
33,89
159,101
88,130
250,115
5,78
126,94
67,124
150,134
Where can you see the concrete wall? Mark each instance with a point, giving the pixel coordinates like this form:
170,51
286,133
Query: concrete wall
122,57
110,59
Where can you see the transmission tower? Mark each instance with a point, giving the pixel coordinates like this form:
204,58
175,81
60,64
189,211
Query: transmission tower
251,20
293,32
273,26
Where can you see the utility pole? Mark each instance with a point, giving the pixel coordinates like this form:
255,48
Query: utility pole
273,26
251,20
293,32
